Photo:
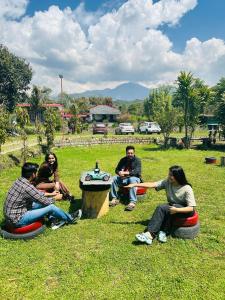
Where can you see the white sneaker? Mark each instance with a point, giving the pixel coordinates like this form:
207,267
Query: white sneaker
162,237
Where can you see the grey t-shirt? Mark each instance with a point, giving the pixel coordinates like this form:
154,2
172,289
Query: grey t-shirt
182,195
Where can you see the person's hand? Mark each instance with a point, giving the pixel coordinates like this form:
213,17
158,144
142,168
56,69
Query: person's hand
173,210
58,196
123,173
54,193
57,186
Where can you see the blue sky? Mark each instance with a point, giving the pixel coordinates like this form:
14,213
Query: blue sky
207,20
100,44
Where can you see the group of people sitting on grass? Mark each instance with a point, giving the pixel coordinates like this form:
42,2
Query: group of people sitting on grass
33,195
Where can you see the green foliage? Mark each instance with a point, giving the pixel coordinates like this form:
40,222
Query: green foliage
51,118
161,110
15,77
22,118
219,102
190,97
4,123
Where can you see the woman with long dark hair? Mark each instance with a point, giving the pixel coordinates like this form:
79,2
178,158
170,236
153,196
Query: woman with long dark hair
180,199
48,169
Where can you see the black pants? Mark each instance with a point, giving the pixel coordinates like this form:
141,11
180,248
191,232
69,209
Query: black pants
162,219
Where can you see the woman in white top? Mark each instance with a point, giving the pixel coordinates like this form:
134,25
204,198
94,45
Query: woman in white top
180,199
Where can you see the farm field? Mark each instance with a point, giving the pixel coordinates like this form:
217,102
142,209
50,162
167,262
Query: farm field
99,258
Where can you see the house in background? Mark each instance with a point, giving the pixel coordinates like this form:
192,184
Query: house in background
97,113
103,112
40,114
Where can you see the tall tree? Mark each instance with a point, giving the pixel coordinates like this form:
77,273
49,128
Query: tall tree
191,96
50,123
219,102
22,119
38,97
163,112
4,123
15,76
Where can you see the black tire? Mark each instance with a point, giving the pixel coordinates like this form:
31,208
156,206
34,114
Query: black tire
186,232
105,178
88,178
24,236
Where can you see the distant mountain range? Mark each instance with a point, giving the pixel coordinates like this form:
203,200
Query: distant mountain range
126,91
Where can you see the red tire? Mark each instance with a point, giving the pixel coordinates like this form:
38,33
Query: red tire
25,229
186,222
141,190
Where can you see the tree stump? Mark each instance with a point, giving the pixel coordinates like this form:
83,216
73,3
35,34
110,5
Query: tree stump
95,197
95,203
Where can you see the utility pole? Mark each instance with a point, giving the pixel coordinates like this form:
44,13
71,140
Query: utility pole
61,78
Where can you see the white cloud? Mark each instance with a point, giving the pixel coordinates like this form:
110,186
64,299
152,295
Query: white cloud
13,9
96,50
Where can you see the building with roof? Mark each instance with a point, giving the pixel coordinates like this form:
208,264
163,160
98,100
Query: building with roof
39,114
103,112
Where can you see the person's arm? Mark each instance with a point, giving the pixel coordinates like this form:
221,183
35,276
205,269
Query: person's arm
37,196
56,175
52,194
143,184
120,169
175,210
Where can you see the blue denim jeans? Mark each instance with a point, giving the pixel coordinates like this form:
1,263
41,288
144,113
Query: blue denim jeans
119,181
39,211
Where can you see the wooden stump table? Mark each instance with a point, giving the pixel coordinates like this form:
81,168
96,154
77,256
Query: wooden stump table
95,197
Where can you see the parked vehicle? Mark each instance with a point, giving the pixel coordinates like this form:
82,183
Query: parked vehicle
124,128
100,128
149,127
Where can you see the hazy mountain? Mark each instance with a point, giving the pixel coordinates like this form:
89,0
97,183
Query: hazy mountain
127,91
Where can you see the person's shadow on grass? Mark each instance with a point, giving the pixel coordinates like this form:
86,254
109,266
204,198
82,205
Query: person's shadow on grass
143,222
75,205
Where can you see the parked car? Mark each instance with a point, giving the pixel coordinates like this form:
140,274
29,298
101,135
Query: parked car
100,128
149,127
124,128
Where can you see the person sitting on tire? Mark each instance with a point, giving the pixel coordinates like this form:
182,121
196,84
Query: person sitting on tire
181,201
43,180
25,204
128,171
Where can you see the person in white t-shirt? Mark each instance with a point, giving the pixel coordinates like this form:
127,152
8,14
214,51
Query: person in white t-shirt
180,199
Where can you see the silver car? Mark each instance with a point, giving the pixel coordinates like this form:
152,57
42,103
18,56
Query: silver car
124,128
149,127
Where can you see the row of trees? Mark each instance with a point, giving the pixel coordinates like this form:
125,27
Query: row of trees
183,105
177,106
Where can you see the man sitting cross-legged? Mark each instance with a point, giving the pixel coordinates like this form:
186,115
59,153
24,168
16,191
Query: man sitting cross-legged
24,204
128,171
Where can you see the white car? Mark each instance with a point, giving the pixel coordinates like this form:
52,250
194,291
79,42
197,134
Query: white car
124,128
149,127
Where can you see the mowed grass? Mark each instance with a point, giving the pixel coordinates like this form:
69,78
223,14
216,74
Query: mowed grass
99,258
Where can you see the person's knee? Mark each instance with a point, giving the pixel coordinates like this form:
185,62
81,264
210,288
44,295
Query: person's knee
133,180
52,207
162,207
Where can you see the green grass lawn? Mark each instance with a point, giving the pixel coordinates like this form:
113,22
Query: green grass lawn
99,259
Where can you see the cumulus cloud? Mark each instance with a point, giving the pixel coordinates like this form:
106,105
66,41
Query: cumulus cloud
102,49
13,9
